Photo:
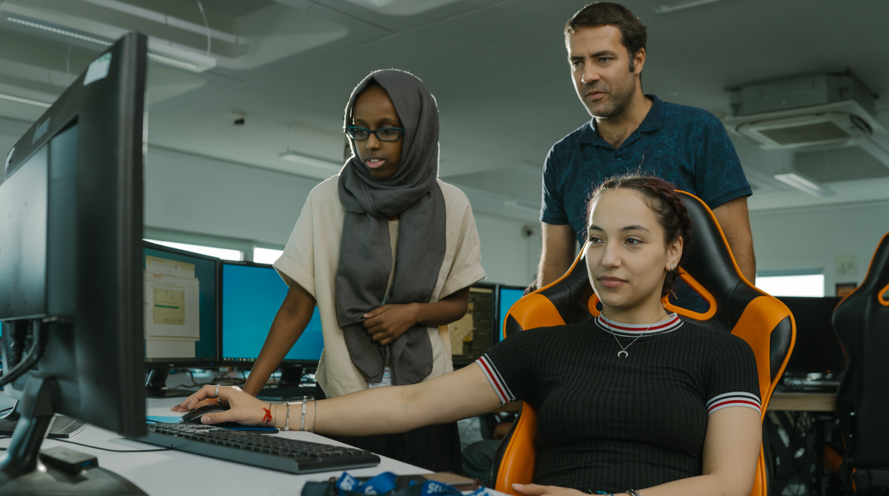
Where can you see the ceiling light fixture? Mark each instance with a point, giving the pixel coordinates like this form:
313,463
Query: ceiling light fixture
298,158
91,39
63,32
26,101
804,184
171,61
521,205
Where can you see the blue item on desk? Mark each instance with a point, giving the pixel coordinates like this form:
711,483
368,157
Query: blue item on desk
385,484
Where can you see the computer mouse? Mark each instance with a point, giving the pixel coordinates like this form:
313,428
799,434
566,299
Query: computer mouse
194,415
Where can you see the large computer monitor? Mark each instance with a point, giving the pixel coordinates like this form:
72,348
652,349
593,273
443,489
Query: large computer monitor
816,349
250,297
70,251
507,296
474,334
181,314
180,304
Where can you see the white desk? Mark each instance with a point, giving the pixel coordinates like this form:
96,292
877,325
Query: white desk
178,472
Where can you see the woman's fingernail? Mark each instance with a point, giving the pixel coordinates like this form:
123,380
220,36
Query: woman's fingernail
205,419
518,486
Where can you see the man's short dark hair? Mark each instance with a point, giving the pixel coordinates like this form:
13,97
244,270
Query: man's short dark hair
598,14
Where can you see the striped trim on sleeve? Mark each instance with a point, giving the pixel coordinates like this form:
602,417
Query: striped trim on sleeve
737,398
496,380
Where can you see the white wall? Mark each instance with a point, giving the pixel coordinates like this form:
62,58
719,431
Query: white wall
195,194
813,238
199,195
509,255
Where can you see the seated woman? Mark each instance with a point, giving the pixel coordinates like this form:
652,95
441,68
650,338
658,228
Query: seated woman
635,398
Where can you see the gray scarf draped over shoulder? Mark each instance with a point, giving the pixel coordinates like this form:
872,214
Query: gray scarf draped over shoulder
412,194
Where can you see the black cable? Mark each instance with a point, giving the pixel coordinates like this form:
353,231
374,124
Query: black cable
98,448
39,341
113,450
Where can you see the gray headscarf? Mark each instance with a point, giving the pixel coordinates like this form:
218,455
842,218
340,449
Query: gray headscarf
413,194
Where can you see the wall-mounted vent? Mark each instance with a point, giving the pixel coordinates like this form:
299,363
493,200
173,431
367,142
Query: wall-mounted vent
807,130
820,112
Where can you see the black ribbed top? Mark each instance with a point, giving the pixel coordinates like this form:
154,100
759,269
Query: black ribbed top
611,423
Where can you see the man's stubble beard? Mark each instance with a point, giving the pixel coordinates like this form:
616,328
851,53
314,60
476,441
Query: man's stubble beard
619,103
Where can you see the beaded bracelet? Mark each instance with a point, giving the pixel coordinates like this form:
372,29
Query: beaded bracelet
604,492
287,421
302,418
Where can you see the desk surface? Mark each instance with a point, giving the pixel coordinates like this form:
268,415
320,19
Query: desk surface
803,402
177,472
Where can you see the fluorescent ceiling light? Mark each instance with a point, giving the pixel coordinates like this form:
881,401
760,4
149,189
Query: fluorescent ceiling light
294,157
26,101
521,206
207,62
62,32
804,184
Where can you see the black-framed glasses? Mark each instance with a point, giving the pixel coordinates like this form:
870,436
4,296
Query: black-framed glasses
382,134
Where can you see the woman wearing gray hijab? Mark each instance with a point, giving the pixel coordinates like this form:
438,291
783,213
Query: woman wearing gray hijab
387,252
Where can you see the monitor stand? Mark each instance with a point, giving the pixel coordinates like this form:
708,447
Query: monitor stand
62,426
21,471
291,376
156,386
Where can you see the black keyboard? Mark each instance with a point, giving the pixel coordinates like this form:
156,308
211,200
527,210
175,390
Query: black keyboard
262,450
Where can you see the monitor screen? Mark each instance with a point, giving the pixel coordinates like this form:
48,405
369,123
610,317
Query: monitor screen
179,307
251,297
472,335
507,297
817,348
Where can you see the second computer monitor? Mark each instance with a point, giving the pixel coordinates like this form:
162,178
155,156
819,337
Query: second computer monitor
816,348
180,307
507,296
473,335
251,296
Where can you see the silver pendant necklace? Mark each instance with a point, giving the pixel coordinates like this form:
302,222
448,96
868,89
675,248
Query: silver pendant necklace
623,349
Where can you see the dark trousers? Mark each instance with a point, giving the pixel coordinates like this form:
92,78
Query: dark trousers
433,447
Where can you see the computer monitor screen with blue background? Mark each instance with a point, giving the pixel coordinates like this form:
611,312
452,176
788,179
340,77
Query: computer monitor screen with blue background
507,296
180,307
251,297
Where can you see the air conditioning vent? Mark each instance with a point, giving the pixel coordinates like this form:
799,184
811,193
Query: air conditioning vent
808,133
804,131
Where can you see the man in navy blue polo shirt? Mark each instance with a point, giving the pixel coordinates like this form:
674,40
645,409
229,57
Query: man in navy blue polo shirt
632,131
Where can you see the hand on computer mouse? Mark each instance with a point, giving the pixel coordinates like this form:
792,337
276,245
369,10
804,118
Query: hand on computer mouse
207,406
243,408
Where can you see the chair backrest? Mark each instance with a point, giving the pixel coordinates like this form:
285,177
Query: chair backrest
735,306
861,322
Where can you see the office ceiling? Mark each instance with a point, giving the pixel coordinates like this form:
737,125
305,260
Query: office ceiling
496,67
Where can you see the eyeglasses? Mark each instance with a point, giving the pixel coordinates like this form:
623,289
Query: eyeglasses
382,134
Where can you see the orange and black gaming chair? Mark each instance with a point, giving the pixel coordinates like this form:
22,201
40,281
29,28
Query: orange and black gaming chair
861,323
735,305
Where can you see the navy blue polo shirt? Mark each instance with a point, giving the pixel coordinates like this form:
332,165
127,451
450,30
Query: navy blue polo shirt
684,145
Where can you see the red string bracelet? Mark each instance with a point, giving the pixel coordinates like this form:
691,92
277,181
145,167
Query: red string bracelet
268,415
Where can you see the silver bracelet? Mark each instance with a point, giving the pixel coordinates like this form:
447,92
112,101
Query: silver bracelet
302,418
287,422
314,420
633,492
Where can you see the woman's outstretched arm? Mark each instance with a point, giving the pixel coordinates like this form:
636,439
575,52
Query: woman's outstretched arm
457,395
